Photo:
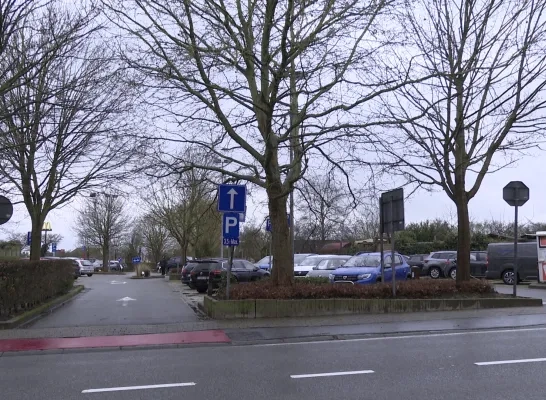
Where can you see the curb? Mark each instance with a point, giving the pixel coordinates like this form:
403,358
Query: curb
150,277
293,308
109,273
537,286
37,312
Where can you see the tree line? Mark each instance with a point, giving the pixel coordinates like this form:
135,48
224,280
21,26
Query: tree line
333,100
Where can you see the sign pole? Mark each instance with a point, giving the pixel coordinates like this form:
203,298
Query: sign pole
381,245
393,264
516,248
231,248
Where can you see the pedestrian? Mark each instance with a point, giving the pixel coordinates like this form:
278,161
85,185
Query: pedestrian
163,265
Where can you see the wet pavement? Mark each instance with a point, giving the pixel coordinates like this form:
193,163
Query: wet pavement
118,300
469,365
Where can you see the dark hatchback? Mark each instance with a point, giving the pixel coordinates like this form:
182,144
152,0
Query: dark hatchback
242,270
185,275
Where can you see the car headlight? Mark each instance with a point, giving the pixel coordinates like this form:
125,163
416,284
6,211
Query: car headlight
331,277
363,276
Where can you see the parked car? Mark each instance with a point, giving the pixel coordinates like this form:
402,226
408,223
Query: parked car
76,266
501,261
299,257
417,260
115,265
85,266
242,270
265,263
478,265
446,262
324,267
185,276
366,269
303,268
440,264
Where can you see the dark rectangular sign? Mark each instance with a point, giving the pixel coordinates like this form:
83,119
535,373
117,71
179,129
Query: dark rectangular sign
392,210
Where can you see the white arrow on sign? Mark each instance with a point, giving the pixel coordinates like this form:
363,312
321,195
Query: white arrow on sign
125,300
232,193
117,283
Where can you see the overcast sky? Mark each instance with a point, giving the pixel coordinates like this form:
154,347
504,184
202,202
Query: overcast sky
488,204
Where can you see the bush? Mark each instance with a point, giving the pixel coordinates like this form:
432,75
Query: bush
25,284
416,289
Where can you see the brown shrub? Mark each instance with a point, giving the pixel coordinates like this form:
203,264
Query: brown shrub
415,289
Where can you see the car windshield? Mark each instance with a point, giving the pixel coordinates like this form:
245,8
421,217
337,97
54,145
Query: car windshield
207,265
364,260
264,260
298,258
86,262
311,260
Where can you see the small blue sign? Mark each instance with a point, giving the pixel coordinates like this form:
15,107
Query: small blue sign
268,223
230,229
29,238
53,247
231,198
136,260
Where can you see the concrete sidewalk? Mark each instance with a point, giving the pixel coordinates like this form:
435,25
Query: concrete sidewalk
337,325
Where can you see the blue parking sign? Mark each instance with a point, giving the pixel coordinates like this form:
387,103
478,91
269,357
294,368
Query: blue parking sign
230,229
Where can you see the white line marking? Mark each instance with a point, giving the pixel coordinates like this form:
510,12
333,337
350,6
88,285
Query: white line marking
422,336
124,388
528,360
368,371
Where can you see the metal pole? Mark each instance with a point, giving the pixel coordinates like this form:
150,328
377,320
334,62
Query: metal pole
231,248
221,225
393,263
270,255
516,247
381,246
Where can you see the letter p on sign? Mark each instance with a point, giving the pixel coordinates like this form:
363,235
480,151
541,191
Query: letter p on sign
231,222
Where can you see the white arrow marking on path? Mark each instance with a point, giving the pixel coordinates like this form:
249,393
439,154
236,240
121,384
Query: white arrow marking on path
125,301
232,193
117,283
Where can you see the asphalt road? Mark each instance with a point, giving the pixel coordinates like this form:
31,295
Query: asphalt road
147,301
440,367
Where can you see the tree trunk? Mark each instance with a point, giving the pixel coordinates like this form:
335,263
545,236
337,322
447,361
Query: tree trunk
463,240
105,255
36,239
283,263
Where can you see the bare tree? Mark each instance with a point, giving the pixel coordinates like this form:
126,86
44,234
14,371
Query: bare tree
102,219
264,85
485,106
324,204
182,205
63,128
155,237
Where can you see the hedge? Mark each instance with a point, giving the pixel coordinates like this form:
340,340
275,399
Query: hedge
413,289
25,284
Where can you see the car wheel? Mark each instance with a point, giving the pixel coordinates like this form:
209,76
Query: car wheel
453,273
89,274
508,277
435,273
202,289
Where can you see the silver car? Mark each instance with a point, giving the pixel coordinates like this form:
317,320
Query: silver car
324,268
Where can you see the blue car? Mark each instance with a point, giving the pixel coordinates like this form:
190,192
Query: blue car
365,268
